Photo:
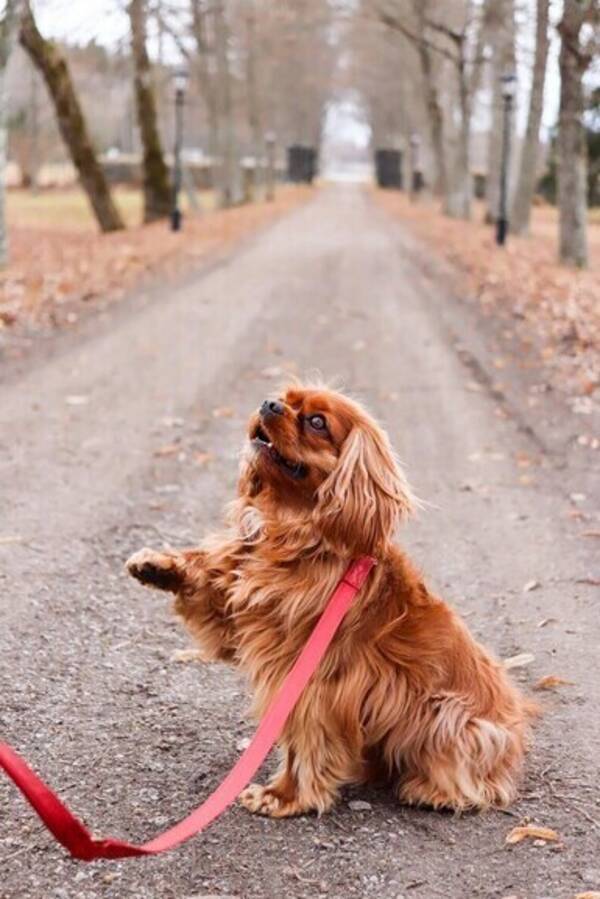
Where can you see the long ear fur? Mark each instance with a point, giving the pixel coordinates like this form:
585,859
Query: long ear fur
361,502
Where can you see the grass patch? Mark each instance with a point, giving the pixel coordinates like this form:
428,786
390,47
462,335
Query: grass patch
69,208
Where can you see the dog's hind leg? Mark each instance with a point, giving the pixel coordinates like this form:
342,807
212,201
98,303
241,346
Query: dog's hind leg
474,768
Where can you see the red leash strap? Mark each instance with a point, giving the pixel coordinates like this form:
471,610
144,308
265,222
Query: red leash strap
69,831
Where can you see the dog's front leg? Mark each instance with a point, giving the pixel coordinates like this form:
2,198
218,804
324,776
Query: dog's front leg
317,760
199,600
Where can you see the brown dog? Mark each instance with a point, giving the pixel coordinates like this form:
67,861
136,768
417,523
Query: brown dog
404,689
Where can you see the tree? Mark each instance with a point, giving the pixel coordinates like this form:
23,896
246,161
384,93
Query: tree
574,59
227,136
452,34
157,189
51,63
8,27
526,182
502,31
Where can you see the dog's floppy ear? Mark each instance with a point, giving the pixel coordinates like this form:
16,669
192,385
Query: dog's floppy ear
362,500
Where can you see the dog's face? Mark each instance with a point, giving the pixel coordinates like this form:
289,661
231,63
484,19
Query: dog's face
317,452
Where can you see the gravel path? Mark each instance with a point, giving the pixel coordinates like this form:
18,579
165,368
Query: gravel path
129,437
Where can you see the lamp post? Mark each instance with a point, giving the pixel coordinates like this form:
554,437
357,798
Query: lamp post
509,85
270,139
180,79
416,181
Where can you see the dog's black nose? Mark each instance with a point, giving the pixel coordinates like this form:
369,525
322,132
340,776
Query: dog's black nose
271,407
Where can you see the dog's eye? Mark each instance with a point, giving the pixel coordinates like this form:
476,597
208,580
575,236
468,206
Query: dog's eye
317,422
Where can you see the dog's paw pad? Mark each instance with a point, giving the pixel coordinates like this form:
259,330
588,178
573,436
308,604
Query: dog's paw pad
155,569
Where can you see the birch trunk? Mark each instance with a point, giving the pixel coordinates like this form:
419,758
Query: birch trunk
71,121
252,93
502,30
157,189
572,156
205,78
525,189
228,167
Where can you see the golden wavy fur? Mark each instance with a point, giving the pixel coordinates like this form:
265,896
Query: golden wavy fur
404,692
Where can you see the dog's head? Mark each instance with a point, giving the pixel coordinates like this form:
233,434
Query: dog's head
319,453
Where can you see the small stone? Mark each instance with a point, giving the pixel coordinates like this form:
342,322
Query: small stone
359,805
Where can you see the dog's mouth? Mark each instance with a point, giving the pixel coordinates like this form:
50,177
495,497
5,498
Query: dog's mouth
262,442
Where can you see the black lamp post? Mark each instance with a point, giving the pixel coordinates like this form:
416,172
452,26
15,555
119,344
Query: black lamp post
509,84
180,79
416,177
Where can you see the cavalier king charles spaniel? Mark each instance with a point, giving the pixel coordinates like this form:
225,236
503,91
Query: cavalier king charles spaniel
404,692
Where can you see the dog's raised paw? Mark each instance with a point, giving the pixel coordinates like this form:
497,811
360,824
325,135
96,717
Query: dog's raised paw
155,569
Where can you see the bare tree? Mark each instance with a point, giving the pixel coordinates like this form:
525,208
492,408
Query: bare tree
575,57
502,31
228,143
449,42
157,190
525,188
202,60
252,88
51,63
8,29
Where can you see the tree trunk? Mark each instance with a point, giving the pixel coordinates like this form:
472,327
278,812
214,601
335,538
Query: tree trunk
432,103
457,202
157,188
525,189
71,122
502,30
252,92
572,156
205,78
8,27
228,167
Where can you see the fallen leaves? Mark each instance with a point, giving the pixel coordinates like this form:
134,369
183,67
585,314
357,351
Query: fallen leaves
47,275
547,308
223,412
519,661
550,681
170,449
531,832
202,459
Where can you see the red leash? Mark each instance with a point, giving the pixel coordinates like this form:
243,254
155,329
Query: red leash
69,831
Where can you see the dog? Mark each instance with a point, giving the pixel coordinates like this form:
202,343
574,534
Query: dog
404,691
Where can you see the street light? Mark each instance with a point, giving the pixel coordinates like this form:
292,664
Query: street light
416,177
270,139
180,80
508,88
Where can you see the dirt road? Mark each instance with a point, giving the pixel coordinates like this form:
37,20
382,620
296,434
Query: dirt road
128,436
